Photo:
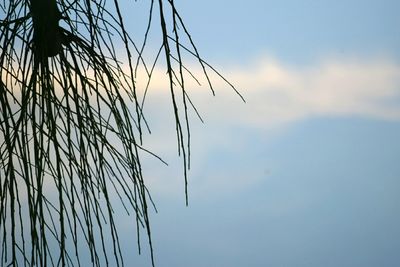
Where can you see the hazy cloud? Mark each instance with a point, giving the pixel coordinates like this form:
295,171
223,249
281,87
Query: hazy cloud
277,95
280,93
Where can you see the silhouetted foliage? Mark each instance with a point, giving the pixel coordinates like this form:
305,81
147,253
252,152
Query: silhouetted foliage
72,124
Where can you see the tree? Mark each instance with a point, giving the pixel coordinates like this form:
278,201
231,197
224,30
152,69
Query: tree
72,124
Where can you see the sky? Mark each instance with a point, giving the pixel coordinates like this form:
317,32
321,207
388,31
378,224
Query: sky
306,172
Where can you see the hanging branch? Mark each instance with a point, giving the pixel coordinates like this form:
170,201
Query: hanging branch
71,128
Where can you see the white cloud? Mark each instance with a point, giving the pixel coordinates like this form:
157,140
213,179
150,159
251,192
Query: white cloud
277,94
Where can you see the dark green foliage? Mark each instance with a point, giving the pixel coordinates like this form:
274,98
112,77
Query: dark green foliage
71,126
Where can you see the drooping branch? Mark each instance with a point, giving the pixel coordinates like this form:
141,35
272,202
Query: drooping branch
71,127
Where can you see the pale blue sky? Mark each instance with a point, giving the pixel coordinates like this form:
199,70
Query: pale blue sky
307,173
294,30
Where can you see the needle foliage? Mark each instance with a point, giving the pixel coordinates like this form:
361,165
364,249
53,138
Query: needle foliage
71,126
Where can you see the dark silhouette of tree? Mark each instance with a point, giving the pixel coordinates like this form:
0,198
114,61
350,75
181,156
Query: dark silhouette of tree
72,125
